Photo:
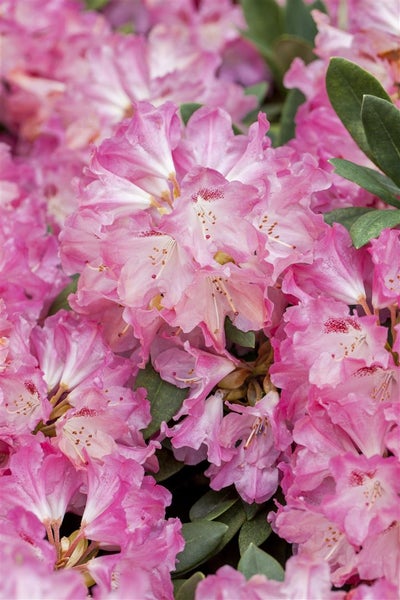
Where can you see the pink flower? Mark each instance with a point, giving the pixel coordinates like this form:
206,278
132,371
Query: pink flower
42,481
337,270
380,556
322,337
313,535
366,498
386,280
199,219
305,577
248,449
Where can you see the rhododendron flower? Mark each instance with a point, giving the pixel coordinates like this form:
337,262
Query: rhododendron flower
41,480
248,450
337,270
366,498
386,279
304,578
322,337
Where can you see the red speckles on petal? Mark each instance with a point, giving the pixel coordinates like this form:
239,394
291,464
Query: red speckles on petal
31,387
208,194
356,478
341,325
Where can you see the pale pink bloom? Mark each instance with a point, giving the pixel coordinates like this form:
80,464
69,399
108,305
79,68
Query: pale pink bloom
158,272
41,480
108,483
321,337
317,441
381,588
104,420
214,294
386,278
380,555
25,576
209,141
199,431
305,577
23,401
141,149
71,352
248,450
186,365
291,187
200,220
361,405
366,498
144,565
313,535
337,270
22,533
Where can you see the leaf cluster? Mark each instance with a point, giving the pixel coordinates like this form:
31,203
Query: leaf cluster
373,121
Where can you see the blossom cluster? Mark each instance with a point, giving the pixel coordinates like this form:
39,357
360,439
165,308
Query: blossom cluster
177,230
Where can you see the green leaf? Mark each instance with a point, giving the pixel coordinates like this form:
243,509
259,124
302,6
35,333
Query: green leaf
234,518
96,4
165,399
346,216
251,509
255,531
287,47
168,465
370,225
369,179
299,21
247,339
346,84
381,120
258,90
213,504
255,561
288,127
188,109
61,301
265,22
187,590
201,540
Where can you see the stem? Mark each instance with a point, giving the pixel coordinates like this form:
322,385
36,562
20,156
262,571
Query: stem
393,319
363,303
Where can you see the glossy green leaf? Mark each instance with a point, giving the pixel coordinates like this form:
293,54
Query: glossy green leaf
288,127
255,561
299,21
370,225
234,518
346,216
255,531
202,538
346,84
187,590
188,109
61,301
369,179
381,120
165,399
213,504
247,339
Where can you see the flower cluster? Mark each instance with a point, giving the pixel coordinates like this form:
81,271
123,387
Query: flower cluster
180,231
